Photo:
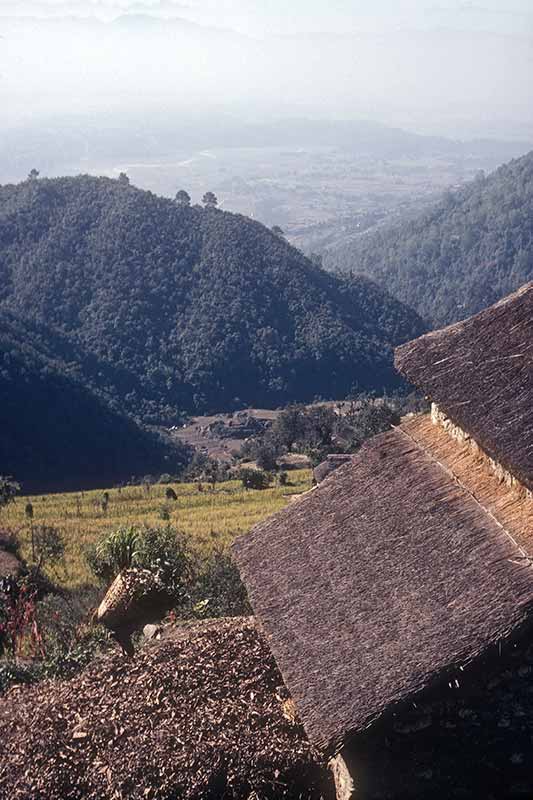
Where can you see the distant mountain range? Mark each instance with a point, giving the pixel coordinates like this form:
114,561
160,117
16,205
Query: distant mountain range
430,80
185,308
472,248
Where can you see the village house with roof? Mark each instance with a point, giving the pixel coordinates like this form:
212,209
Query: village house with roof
397,594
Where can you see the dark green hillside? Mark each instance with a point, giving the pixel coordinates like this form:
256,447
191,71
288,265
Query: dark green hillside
474,247
55,433
187,308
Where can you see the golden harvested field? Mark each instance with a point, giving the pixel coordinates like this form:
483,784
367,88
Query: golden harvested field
211,518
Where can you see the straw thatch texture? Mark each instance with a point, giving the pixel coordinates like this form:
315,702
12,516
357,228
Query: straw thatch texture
510,505
480,372
329,465
384,578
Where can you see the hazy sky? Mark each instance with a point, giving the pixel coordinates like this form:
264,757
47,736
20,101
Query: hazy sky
257,17
435,65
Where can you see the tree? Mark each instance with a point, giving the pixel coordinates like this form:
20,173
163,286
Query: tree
183,198
266,457
370,418
278,231
8,490
210,200
254,478
214,472
316,259
33,174
289,426
123,178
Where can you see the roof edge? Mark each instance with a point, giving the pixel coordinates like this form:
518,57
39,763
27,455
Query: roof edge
403,351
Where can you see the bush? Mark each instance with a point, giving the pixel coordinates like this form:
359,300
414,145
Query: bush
218,590
8,490
48,545
266,456
167,554
9,541
115,552
18,628
67,639
13,672
164,552
254,478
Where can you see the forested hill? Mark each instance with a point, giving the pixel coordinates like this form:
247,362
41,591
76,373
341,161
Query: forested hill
55,433
471,249
187,308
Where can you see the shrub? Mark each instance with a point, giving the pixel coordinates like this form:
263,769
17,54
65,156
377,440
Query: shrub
218,590
254,478
9,541
164,552
18,626
115,552
266,457
14,672
68,640
8,490
48,545
167,554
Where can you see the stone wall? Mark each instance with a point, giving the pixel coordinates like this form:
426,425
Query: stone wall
438,417
471,738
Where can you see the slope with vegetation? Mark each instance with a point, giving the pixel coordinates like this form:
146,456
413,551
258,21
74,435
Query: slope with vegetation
470,250
71,546
56,432
186,308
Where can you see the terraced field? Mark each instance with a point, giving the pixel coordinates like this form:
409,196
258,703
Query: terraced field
211,517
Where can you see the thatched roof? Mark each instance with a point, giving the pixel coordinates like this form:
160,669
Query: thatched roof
480,372
385,579
329,465
201,714
508,504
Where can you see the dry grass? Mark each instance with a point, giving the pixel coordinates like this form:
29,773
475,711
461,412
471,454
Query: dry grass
211,518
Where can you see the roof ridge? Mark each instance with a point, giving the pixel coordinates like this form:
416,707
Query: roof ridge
451,474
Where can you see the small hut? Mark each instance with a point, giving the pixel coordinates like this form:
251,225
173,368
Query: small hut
397,596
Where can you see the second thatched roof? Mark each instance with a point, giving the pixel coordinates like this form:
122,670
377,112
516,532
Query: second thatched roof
480,373
383,580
